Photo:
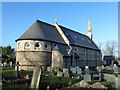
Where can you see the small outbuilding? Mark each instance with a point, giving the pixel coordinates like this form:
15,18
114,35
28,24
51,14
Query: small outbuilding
109,60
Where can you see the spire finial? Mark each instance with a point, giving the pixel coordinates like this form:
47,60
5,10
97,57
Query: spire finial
56,20
89,29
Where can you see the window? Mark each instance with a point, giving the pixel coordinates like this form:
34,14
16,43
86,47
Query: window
89,41
76,49
83,39
76,37
46,46
27,45
66,33
37,45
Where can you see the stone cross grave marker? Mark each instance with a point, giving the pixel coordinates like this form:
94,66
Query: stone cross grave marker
78,69
36,77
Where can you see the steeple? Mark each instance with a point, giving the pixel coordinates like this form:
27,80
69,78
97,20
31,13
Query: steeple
89,29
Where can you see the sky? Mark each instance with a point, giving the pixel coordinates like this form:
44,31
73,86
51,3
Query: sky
17,17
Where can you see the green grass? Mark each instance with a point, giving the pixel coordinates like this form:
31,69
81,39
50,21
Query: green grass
15,86
110,85
56,79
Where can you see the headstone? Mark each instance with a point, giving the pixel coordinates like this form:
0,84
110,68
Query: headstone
99,68
103,67
87,78
27,77
78,69
36,77
49,68
87,70
100,76
117,83
116,69
66,72
59,73
17,70
4,64
52,72
109,77
10,64
74,70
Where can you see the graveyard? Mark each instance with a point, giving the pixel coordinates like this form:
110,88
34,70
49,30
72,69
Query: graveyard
101,77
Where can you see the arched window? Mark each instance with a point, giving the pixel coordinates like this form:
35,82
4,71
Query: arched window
46,46
27,45
37,45
18,46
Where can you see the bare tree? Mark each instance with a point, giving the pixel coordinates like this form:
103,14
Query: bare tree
110,48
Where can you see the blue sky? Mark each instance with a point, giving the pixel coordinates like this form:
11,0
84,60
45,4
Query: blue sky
18,17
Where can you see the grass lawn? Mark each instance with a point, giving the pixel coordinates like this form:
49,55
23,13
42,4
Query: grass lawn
7,73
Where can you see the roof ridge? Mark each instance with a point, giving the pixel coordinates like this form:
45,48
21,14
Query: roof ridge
44,22
72,30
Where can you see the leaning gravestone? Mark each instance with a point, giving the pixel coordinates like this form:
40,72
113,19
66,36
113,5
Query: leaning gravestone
66,72
36,77
87,76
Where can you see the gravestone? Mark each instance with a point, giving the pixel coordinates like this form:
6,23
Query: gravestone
87,70
109,77
66,72
27,77
59,73
102,67
99,69
116,69
87,76
5,64
10,64
74,70
17,70
78,69
36,77
117,83
52,72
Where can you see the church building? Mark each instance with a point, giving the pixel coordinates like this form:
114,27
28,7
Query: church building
56,46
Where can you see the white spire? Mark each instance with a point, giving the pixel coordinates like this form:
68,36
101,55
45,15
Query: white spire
89,29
